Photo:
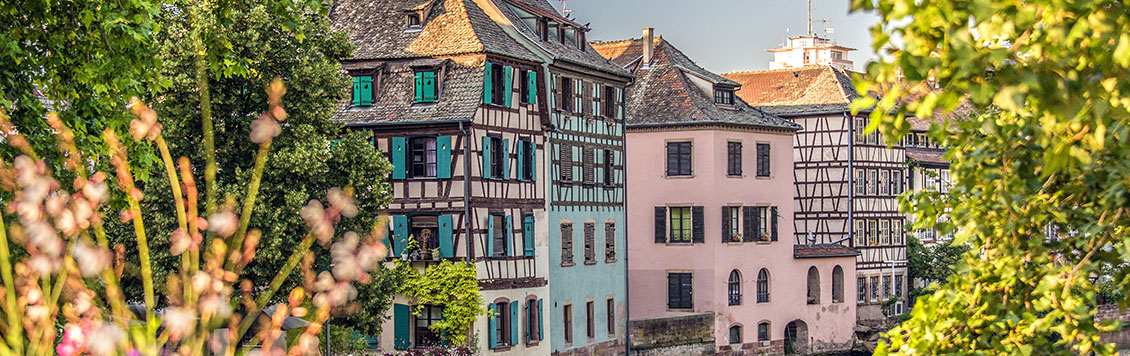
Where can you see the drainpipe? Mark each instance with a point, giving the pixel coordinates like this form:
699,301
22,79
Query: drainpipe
466,191
624,192
851,178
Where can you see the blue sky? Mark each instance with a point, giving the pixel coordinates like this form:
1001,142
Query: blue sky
725,35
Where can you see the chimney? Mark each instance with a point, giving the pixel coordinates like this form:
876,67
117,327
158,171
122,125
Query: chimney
648,45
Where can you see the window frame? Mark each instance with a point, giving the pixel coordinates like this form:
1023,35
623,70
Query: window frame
434,87
532,321
425,247
523,86
736,334
416,329
610,241
734,158
734,288
590,319
499,220
502,326
589,241
526,144
684,289
496,167
566,243
874,289
682,156
428,154
734,224
764,164
565,90
610,313
860,290
609,170
567,321
723,96
686,224
763,286
763,331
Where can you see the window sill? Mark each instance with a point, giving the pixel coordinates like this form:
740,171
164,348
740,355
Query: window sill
764,177
680,244
765,242
502,348
570,264
612,261
590,263
738,176
734,243
679,177
532,343
687,310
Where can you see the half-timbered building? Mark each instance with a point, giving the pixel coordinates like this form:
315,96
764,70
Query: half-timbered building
455,104
585,181
710,211
846,182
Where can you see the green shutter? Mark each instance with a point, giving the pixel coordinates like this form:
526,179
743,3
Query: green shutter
509,236
399,234
486,157
446,238
490,236
506,158
507,85
521,163
419,87
487,87
528,235
429,94
492,321
514,322
399,153
401,326
532,78
443,157
356,91
533,161
366,91
540,328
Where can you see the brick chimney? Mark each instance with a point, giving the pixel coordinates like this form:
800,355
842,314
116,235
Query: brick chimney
648,45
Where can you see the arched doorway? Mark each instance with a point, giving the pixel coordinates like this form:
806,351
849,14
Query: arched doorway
796,337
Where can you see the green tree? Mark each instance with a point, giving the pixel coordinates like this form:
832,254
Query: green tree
1040,187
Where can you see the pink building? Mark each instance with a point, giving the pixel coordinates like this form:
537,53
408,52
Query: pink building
710,208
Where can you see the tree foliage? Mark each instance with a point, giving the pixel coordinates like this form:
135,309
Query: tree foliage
1040,186
932,263
452,285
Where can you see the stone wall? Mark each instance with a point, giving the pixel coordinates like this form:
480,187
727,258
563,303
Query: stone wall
606,348
1119,338
687,335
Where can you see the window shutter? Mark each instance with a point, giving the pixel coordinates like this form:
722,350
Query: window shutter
532,77
443,157
660,224
490,235
505,158
419,87
533,161
446,238
366,91
578,97
492,322
399,234
486,157
595,100
430,87
748,224
725,224
556,104
528,235
521,162
401,326
356,91
620,103
514,322
399,152
487,87
507,85
509,236
773,225
540,328
697,223
757,223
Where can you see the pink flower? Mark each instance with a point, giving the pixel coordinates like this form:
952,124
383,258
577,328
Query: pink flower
264,128
91,260
223,223
342,202
179,242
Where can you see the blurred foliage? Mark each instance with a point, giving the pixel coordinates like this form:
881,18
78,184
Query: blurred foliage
1039,170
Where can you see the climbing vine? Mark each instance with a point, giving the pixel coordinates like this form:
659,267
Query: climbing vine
452,286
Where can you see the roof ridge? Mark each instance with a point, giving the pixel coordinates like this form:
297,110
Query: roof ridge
808,67
594,43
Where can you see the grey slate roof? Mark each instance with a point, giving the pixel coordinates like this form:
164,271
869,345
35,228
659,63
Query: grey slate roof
460,95
663,93
589,57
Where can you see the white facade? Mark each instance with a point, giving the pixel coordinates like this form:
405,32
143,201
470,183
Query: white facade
810,50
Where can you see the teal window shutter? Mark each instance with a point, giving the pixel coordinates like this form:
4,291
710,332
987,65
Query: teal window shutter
532,77
419,87
521,163
540,328
401,326
487,87
507,85
399,234
514,321
356,91
528,235
492,322
399,153
486,157
446,237
443,157
429,92
490,236
533,161
509,236
366,91
505,158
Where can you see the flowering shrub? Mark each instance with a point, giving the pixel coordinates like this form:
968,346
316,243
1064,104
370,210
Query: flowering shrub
60,265
435,351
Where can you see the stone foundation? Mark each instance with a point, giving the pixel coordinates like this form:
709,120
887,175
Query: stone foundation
685,335
606,348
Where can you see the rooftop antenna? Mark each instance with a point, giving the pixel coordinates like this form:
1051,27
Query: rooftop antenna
564,10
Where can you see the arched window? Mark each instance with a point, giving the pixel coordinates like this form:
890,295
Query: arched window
837,284
763,331
763,286
735,287
735,334
813,285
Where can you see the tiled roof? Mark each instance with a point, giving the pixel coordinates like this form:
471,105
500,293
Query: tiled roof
927,157
377,29
460,95
812,85
664,94
823,250
623,52
588,57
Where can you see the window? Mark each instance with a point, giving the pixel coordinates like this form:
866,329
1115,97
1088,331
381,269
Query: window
609,159
427,315
860,233
424,231
734,158
498,84
896,182
533,333
763,331
763,160
590,321
898,286
497,156
679,158
680,224
363,90
590,243
566,244
610,310
524,86
735,334
526,154
731,230
763,286
874,289
581,40
426,86
723,96
813,285
886,287
423,156
609,102
872,181
735,288
543,29
499,235
860,182
565,93
588,173
568,319
679,291
896,232
610,241
762,216
413,20
873,232
565,162
885,232
884,182
860,124
837,284
502,326
861,290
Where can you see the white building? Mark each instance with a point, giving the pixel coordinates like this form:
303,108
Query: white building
809,50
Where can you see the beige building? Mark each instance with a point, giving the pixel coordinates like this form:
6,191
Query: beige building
810,50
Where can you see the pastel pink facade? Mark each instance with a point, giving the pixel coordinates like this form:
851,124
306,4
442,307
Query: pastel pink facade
828,323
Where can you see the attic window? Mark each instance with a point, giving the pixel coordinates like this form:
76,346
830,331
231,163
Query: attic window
543,29
581,40
723,96
413,21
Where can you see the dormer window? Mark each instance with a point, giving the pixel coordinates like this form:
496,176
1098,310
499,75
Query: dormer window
426,86
413,22
543,29
363,90
723,96
581,40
